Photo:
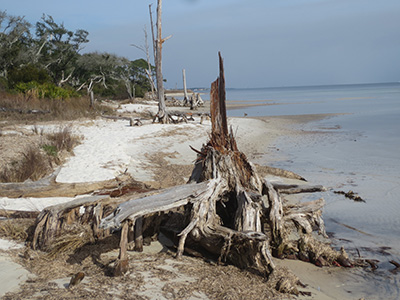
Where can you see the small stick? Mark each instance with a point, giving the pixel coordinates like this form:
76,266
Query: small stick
395,263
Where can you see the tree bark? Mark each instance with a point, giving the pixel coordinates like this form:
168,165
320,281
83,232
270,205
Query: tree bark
162,115
185,98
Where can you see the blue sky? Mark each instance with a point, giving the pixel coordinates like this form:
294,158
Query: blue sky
264,43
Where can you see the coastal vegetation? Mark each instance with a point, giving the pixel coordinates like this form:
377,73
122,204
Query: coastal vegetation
36,161
44,60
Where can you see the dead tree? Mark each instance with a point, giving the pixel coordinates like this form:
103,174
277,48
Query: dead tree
185,98
145,49
162,115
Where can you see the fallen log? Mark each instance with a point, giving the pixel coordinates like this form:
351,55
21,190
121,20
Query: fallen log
164,200
89,210
52,219
296,188
48,187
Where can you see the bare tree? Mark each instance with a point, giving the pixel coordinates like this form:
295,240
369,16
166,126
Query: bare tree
161,115
185,100
145,49
152,33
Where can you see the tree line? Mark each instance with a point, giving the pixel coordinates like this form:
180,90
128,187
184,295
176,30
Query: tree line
45,59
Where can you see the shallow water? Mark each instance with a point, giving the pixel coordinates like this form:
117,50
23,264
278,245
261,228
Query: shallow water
357,150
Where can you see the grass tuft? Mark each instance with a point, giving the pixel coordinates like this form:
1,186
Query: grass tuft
16,229
33,165
63,139
37,162
67,243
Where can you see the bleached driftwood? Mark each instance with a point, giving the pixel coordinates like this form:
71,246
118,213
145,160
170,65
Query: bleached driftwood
53,218
296,188
163,201
48,187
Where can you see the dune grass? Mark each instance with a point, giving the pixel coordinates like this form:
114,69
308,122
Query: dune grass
36,162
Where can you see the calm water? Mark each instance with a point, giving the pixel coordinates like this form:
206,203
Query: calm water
358,150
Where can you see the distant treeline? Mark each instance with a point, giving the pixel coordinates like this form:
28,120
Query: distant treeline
44,60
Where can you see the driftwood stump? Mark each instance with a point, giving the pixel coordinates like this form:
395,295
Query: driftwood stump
230,211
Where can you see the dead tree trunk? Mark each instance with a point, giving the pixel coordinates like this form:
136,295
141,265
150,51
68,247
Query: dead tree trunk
229,223
91,99
162,114
185,98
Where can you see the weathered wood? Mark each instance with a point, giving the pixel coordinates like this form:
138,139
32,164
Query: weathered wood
135,122
165,200
91,94
185,98
122,265
307,215
49,221
247,214
139,234
275,214
152,34
162,114
123,254
48,187
296,188
217,104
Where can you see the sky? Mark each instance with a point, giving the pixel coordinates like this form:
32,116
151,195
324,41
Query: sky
264,43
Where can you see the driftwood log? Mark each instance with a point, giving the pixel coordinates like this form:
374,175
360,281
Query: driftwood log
225,209
48,187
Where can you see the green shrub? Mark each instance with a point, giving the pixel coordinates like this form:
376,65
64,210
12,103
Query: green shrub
51,150
45,90
139,91
27,74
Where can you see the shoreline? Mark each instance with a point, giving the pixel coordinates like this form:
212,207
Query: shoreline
256,137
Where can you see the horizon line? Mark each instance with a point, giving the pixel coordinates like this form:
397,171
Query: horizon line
294,86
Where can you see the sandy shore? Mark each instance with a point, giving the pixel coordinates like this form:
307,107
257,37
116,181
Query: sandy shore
160,156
